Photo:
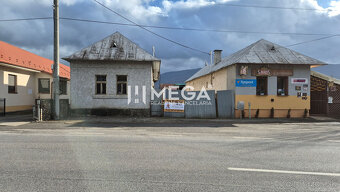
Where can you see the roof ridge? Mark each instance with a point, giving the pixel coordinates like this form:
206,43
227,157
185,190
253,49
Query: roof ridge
110,54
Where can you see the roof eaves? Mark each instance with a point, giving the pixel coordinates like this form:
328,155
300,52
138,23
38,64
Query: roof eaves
325,77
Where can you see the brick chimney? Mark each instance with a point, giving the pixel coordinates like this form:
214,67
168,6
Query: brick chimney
217,56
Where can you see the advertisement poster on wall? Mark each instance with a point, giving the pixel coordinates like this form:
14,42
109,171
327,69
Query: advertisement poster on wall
299,80
174,106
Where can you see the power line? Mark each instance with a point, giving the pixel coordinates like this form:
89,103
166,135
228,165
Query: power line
187,29
156,34
195,29
174,28
215,30
26,19
318,39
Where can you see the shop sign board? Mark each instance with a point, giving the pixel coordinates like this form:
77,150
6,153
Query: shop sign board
246,83
299,80
272,72
263,72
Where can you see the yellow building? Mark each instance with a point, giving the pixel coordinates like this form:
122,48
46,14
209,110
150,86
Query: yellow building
273,80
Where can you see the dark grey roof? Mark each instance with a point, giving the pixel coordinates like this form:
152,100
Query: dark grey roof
260,52
113,47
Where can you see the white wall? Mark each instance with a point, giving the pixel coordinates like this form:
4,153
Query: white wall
83,79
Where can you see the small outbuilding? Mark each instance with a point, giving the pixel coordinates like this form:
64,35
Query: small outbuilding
325,95
112,76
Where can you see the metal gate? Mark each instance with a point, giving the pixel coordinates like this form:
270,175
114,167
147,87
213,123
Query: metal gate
225,104
319,97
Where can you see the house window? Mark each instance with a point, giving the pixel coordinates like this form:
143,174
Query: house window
121,84
44,85
63,87
12,84
100,84
262,85
282,86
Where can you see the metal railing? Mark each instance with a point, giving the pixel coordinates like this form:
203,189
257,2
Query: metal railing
2,106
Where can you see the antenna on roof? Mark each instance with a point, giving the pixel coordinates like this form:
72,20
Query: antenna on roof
153,50
206,63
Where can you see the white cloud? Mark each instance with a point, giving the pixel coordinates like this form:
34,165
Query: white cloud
334,9
190,4
69,2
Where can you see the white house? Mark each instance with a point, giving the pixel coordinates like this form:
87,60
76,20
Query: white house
112,76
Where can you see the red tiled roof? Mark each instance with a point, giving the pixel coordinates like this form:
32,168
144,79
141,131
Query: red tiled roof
16,56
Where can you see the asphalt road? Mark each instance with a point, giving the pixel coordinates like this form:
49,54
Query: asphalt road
165,156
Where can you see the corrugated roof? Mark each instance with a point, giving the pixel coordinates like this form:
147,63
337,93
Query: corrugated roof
325,77
113,47
16,56
260,52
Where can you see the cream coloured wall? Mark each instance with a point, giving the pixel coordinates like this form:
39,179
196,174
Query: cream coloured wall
200,82
231,77
218,80
24,98
27,88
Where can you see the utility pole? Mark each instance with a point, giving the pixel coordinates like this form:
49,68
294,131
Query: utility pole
56,61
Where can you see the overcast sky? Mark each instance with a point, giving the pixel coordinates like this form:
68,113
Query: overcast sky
37,36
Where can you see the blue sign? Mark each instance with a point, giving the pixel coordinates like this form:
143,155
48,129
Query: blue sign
245,82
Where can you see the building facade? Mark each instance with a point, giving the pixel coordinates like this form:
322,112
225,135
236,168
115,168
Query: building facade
268,79
112,76
25,77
